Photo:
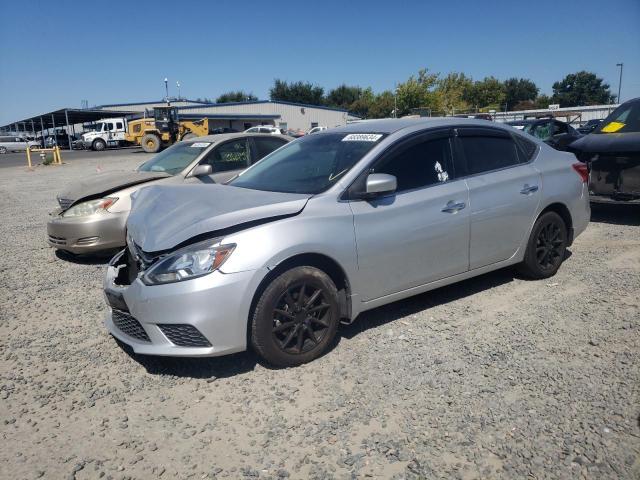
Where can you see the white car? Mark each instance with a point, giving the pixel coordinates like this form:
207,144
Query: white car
16,144
317,129
265,129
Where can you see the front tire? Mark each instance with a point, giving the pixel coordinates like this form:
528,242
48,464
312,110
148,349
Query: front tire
546,247
296,317
151,143
99,145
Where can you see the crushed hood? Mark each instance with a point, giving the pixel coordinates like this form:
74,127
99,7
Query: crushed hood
163,216
106,183
608,143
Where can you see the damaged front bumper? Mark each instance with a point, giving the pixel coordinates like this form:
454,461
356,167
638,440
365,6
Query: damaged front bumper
205,316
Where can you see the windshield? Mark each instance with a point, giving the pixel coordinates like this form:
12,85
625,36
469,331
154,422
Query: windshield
98,127
624,119
309,165
175,158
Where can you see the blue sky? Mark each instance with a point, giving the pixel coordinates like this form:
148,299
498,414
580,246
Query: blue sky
56,54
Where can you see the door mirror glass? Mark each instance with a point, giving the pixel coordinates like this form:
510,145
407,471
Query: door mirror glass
379,183
202,170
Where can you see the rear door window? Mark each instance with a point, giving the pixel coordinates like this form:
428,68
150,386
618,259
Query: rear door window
485,150
526,148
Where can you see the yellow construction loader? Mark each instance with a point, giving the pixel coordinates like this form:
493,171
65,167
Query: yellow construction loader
164,129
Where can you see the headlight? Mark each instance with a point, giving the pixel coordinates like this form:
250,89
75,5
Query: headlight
190,262
85,209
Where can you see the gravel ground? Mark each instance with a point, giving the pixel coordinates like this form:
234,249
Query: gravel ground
495,377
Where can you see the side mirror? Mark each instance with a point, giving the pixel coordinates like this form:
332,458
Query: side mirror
201,170
380,183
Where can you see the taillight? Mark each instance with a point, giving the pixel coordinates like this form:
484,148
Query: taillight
581,169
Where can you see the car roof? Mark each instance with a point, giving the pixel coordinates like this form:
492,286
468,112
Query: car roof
228,136
392,125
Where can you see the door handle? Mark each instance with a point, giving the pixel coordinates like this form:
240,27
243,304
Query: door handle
453,207
529,189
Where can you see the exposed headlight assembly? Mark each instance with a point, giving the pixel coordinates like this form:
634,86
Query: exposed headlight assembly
85,209
189,262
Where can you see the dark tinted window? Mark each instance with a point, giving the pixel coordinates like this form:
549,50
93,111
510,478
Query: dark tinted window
624,119
526,148
418,165
232,155
486,153
264,146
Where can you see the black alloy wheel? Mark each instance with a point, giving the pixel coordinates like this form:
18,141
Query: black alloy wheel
549,246
300,319
546,247
296,317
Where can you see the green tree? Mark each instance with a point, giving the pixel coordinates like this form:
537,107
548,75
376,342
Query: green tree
417,92
487,93
343,96
299,92
381,105
452,91
518,90
362,105
581,88
543,101
236,96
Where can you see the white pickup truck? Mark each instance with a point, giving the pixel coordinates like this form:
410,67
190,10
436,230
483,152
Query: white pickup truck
109,132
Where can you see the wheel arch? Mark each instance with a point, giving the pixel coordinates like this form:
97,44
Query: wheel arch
562,210
318,260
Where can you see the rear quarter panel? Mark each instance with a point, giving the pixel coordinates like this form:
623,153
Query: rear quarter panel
562,184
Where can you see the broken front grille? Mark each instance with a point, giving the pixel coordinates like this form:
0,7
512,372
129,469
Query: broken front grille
129,325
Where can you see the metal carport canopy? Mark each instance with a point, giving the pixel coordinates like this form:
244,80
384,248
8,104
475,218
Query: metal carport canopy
59,118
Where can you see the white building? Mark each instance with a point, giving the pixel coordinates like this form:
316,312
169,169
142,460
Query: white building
574,115
242,115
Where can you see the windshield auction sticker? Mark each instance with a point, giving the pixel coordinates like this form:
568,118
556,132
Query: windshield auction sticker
362,137
200,144
612,127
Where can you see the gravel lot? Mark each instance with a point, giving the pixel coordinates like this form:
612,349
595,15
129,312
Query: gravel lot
495,377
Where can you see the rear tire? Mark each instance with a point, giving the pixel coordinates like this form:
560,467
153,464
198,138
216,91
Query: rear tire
151,143
546,247
3,150
99,145
296,317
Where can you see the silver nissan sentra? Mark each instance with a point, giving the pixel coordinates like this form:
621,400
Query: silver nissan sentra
334,224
